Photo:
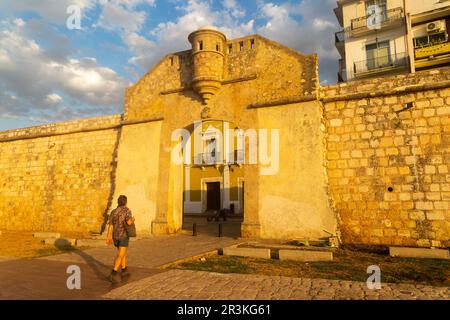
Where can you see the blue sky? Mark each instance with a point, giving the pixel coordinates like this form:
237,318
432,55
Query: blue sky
50,73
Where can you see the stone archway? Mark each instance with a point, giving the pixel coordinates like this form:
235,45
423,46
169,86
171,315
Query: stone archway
211,177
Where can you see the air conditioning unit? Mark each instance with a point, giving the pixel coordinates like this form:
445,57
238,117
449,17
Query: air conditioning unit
434,26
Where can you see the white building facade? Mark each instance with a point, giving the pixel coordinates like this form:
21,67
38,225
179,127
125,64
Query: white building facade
391,36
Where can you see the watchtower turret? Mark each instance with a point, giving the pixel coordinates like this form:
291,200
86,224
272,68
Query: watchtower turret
208,57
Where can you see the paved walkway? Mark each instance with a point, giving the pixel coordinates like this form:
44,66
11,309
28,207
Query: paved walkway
45,278
41,280
152,252
192,285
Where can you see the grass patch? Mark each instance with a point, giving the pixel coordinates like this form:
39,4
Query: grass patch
212,264
347,265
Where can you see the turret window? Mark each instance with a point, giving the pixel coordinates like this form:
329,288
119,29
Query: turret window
217,47
241,46
252,43
230,48
200,45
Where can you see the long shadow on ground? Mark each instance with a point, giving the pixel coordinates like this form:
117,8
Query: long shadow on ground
39,279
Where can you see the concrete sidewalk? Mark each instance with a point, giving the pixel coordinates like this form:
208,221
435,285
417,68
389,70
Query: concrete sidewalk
152,252
42,280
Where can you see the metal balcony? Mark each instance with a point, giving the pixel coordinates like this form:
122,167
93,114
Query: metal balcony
365,24
389,63
216,158
433,55
208,159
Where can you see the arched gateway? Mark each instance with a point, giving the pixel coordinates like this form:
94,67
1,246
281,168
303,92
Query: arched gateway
274,172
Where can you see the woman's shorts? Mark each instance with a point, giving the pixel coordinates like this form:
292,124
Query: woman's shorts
122,243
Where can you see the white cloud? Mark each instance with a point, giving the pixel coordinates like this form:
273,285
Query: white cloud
172,36
19,22
30,78
307,26
40,78
51,10
320,24
122,17
129,3
312,33
236,10
141,49
53,99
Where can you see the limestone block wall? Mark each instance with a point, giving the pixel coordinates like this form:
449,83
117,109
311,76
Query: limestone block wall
172,73
241,63
58,176
284,73
388,158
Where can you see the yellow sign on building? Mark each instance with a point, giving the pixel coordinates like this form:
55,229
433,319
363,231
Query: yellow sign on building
435,50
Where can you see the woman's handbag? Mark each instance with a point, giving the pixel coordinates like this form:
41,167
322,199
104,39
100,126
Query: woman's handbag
130,229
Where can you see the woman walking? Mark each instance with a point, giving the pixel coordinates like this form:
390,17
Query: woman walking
117,235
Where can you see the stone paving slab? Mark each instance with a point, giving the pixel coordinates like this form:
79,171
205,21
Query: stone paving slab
193,285
247,252
45,235
305,255
421,253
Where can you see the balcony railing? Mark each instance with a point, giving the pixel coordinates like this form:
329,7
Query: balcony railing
381,63
216,158
208,158
384,18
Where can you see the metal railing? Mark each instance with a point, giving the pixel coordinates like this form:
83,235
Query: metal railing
208,158
388,61
384,18
215,158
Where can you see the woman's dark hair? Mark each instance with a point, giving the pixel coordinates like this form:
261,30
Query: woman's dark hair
122,201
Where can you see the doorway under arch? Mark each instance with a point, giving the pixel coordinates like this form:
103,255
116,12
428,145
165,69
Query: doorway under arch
214,180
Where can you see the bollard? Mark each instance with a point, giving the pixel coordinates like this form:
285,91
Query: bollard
220,230
194,230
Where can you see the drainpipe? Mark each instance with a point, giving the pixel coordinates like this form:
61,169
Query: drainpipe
409,40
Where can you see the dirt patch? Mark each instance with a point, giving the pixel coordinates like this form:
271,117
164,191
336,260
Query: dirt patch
347,265
24,245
